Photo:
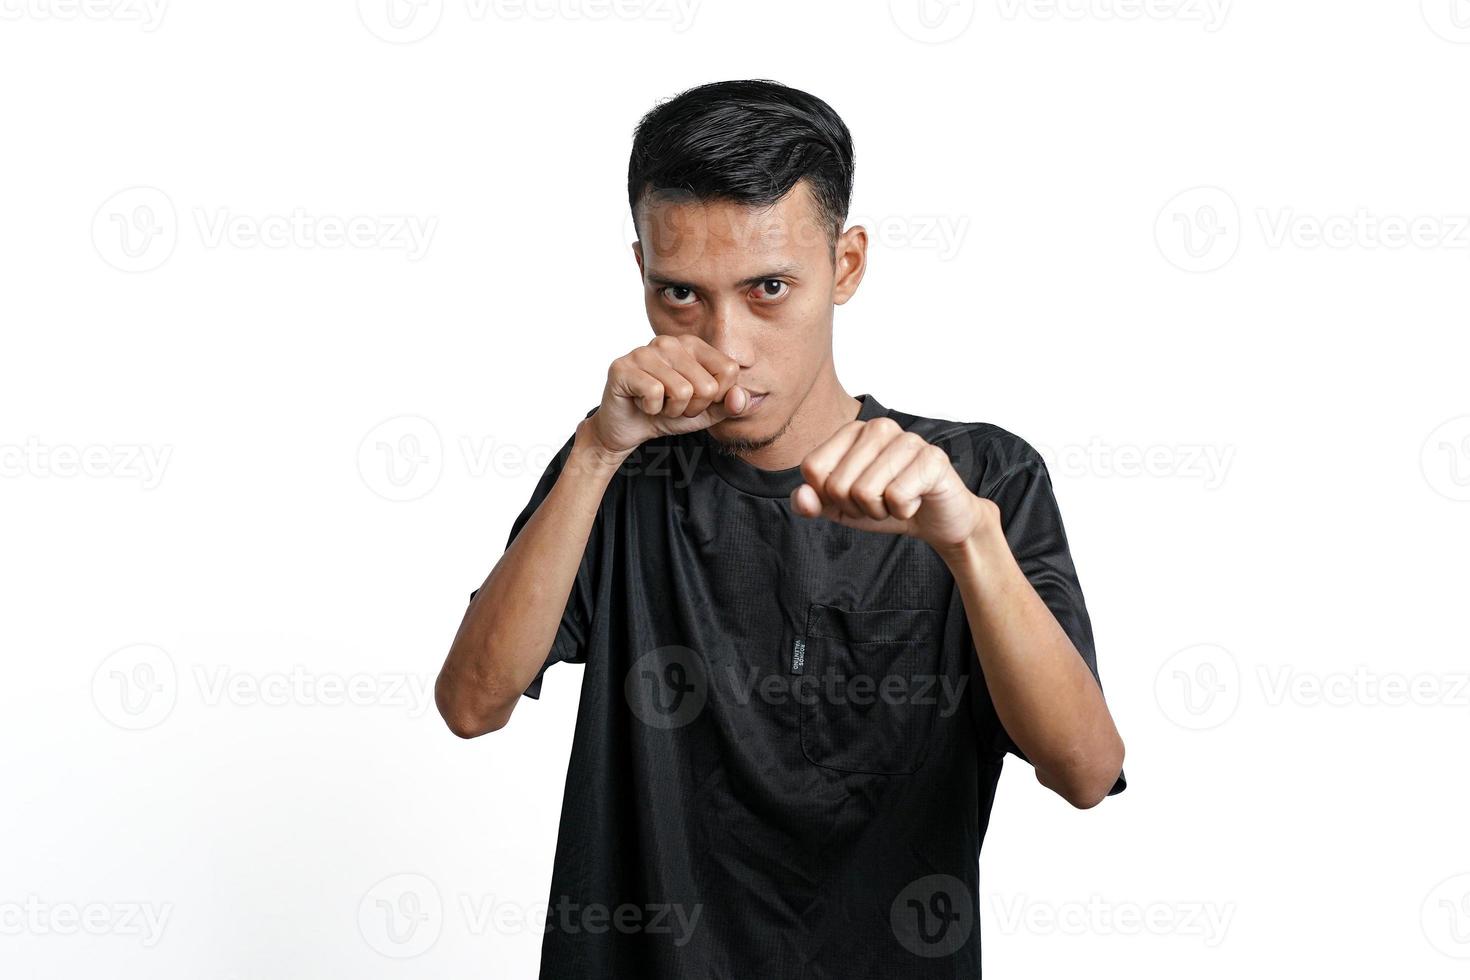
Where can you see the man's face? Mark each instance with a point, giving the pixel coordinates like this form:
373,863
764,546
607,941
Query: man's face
758,285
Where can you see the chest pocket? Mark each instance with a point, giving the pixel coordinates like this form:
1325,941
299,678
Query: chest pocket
868,687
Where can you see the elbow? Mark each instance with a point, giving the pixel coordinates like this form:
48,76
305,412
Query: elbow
1084,783
465,718
471,726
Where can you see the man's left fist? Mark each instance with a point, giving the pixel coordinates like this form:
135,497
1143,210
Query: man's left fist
874,476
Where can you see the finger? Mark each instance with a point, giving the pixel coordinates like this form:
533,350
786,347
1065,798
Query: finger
706,388
871,490
818,465
678,390
646,391
723,368
736,401
924,473
806,502
874,436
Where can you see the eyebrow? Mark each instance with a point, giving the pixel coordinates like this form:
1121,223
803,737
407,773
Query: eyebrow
780,271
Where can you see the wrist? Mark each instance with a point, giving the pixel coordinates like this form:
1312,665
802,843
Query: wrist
589,450
983,547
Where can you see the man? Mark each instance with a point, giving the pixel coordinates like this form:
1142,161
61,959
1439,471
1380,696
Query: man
812,625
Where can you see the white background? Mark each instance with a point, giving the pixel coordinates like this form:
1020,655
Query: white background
1210,258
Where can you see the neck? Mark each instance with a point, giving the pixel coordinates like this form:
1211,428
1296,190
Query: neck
825,409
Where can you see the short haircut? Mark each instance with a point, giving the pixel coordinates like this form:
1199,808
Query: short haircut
748,141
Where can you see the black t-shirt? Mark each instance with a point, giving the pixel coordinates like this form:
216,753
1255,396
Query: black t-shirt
785,755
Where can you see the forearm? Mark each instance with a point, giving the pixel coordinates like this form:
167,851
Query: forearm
1043,692
512,622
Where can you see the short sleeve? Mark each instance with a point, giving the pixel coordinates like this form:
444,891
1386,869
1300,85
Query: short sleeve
1033,528
570,644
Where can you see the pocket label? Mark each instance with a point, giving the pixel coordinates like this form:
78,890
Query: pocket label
798,655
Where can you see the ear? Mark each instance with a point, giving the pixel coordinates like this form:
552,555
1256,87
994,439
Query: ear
849,263
638,256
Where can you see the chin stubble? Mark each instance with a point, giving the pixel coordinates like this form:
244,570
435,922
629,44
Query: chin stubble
739,446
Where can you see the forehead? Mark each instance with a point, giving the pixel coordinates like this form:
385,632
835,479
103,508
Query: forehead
683,236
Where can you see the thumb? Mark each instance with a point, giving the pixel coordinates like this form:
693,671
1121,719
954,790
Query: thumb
736,400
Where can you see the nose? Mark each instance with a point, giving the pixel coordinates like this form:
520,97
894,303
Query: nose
725,334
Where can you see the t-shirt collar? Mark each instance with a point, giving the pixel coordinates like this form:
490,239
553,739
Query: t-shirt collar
773,483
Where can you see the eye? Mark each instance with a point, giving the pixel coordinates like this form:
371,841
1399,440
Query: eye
687,299
765,290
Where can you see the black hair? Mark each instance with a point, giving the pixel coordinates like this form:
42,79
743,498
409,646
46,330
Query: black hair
748,141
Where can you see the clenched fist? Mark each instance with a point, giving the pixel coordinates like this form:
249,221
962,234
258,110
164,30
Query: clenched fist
874,476
669,386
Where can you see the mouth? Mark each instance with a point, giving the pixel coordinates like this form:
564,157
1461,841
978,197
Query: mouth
755,402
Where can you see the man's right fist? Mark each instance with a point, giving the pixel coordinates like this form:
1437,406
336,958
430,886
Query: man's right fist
669,386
